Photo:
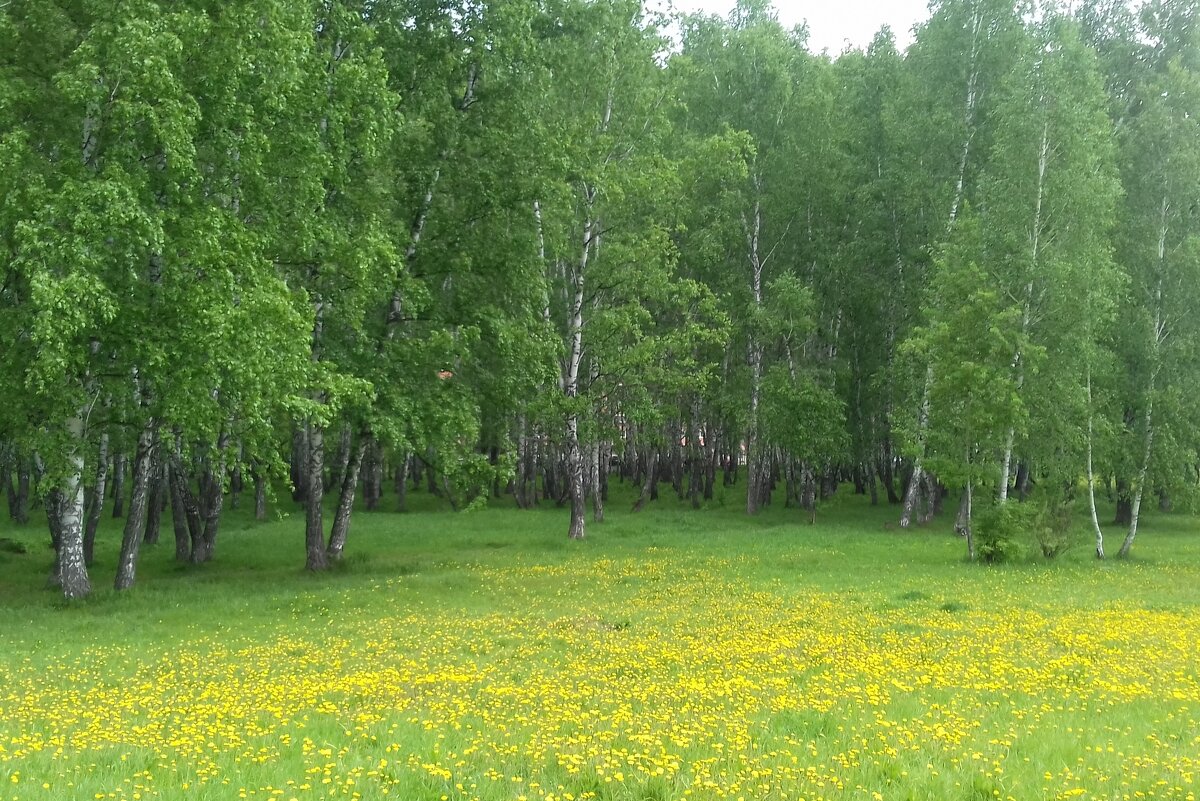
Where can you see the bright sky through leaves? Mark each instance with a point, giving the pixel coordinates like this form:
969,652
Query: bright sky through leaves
835,25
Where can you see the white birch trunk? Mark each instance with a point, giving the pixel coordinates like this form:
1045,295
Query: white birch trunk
570,379
72,569
139,501
753,459
917,481
913,492
1158,335
1027,312
1091,476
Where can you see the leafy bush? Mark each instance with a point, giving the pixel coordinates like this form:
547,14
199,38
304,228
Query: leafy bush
1052,530
999,530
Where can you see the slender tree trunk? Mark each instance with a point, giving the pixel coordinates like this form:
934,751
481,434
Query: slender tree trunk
299,463
18,500
968,528
651,479
72,568
260,495
1091,476
345,507
430,473
236,485
754,461
520,484
402,469
570,376
912,495
53,505
1139,486
314,531
95,502
139,501
341,461
157,490
969,107
1023,480
372,473
597,483
1124,503
6,481
184,517
24,476
1158,335
118,485
211,504
1027,310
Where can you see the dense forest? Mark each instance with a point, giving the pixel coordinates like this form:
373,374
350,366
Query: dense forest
509,251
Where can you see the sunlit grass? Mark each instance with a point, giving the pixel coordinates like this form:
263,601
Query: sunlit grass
672,655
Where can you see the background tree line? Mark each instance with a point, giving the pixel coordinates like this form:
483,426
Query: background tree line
514,249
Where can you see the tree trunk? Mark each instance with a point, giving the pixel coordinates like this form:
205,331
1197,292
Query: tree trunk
178,514
372,473
340,462
402,469
1024,480
53,504
651,479
916,481
430,473
754,462
575,479
570,374
1018,363
968,529
139,501
10,489
236,485
95,502
18,500
260,495
72,568
157,483
299,464
314,530
1124,511
118,485
696,461
597,483
1158,334
185,510
345,507
211,504
886,470
1091,476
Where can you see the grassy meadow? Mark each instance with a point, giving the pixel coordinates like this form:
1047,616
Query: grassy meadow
674,654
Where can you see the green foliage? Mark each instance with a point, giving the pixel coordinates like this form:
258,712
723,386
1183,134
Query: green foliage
1002,531
1044,523
804,418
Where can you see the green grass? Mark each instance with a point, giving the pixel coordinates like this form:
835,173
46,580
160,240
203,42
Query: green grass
672,654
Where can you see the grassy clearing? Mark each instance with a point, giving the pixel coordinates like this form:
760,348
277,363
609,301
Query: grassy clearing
672,655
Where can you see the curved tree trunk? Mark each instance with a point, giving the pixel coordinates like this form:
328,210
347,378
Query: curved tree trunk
140,500
345,507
